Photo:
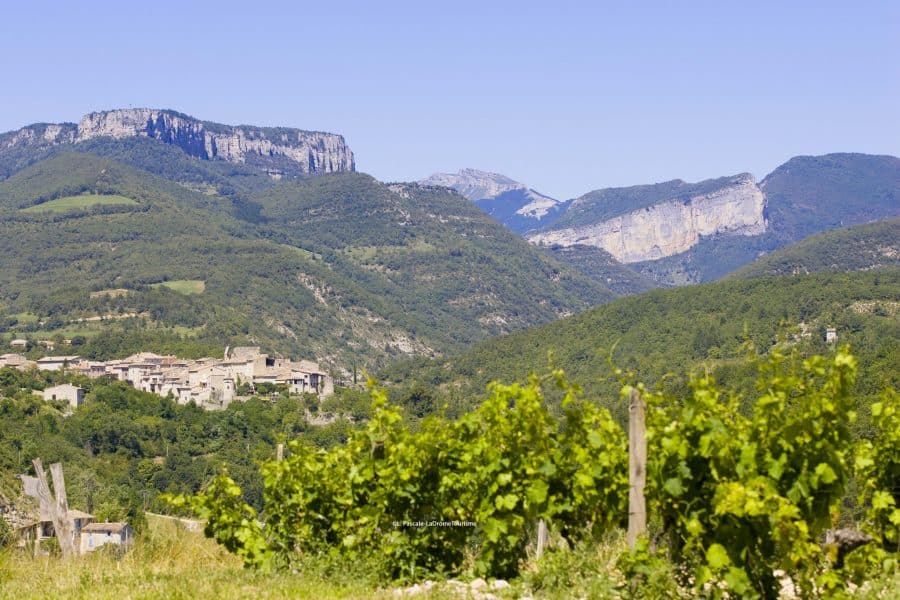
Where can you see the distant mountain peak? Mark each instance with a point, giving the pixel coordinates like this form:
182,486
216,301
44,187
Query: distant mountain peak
475,184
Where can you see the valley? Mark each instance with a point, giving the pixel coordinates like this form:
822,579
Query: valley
156,269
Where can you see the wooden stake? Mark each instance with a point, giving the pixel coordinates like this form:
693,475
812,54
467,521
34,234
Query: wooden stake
637,468
279,452
64,529
541,538
61,524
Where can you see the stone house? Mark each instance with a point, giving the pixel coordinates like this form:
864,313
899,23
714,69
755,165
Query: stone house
95,535
42,528
72,394
57,363
12,360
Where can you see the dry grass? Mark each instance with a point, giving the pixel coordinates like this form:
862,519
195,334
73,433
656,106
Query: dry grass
166,562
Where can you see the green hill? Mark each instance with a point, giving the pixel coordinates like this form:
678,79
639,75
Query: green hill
339,267
857,248
809,194
676,330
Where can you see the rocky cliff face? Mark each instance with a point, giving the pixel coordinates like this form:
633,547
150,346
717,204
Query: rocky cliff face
671,226
278,151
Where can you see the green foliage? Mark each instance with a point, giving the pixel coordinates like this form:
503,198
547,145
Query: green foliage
879,463
740,496
599,265
340,265
122,447
861,247
81,201
425,498
6,534
665,334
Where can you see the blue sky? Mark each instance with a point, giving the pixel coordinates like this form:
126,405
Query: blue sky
566,96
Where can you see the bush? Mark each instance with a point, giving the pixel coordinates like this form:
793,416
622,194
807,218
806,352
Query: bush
427,499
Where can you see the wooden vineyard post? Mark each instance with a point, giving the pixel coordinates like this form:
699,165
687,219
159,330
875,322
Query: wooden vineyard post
64,529
58,510
279,452
541,538
637,468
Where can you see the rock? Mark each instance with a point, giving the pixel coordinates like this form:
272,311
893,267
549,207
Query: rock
277,151
478,584
499,584
668,227
474,184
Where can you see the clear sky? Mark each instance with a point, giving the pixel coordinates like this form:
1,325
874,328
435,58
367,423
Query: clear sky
565,96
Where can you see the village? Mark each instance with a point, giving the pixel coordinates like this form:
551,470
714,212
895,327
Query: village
210,383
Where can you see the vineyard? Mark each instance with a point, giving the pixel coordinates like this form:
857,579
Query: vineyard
744,496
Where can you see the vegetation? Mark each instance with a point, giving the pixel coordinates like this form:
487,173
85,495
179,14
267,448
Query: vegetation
167,562
184,286
665,334
857,248
80,201
804,196
737,498
293,267
599,265
122,447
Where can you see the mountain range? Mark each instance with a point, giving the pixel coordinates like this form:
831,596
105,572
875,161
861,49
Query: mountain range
676,232
149,229
338,266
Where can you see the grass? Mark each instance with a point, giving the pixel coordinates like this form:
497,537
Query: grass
166,562
80,201
183,286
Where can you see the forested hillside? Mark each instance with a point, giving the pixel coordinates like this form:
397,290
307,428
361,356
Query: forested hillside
674,331
857,248
339,267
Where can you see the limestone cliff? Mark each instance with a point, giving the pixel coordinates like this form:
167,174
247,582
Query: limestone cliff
668,226
278,151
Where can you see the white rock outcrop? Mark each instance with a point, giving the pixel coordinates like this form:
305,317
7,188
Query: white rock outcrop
313,151
670,227
273,149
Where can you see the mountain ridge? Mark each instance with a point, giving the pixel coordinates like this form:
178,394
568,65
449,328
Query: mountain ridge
278,151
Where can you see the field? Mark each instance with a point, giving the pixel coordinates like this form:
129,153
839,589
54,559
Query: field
166,562
184,286
80,201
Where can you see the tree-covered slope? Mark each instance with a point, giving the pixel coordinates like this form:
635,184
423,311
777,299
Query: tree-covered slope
599,265
340,267
809,194
858,248
676,330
